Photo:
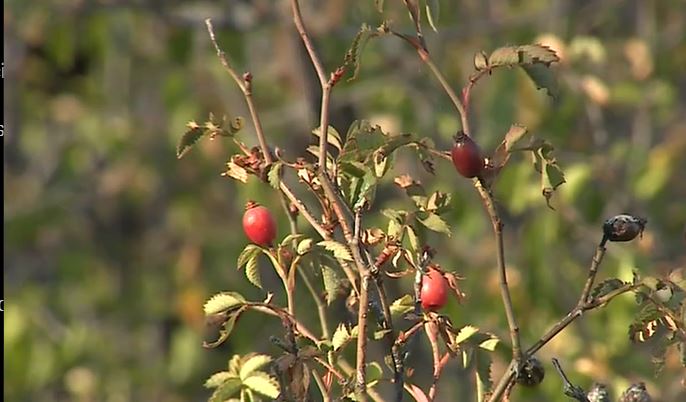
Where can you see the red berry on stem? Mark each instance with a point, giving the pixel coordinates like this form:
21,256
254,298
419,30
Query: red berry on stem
466,156
434,292
258,224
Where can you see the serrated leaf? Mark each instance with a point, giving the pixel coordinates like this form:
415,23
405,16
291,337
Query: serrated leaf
291,238
438,201
342,336
435,223
263,384
274,175
189,138
339,250
489,344
507,146
361,141
394,228
354,54
252,272
226,330
222,301
402,305
605,287
254,363
484,383
332,283
413,238
432,13
534,59
217,379
543,78
226,390
522,55
236,172
333,137
465,333
248,253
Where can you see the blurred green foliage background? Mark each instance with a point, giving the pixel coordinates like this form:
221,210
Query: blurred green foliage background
112,245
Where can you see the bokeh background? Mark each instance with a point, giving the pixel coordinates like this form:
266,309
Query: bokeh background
112,244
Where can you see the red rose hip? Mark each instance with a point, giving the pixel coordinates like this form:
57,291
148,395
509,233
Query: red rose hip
258,224
434,292
466,156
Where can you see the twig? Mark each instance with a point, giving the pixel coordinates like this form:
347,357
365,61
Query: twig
593,271
497,224
326,397
508,377
245,85
397,361
361,378
325,83
321,306
570,389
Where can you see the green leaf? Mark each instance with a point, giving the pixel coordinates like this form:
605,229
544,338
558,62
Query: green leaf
339,250
374,373
333,283
342,336
362,139
465,333
354,54
226,390
402,305
274,175
522,55
534,59
226,330
507,146
605,287
189,138
332,138
223,301
489,344
252,272
304,246
438,202
291,238
253,363
217,379
435,223
432,12
248,253
263,384
484,383
543,78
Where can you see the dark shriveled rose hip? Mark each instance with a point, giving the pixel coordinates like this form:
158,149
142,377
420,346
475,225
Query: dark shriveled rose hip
466,156
258,224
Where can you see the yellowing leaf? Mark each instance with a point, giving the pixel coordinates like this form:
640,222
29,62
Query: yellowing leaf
263,384
339,251
254,363
223,301
217,379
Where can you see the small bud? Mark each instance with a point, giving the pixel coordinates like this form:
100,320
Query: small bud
598,393
247,77
636,393
624,227
531,373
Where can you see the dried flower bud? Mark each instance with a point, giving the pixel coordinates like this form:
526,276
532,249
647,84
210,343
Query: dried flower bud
531,373
599,393
624,227
636,393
